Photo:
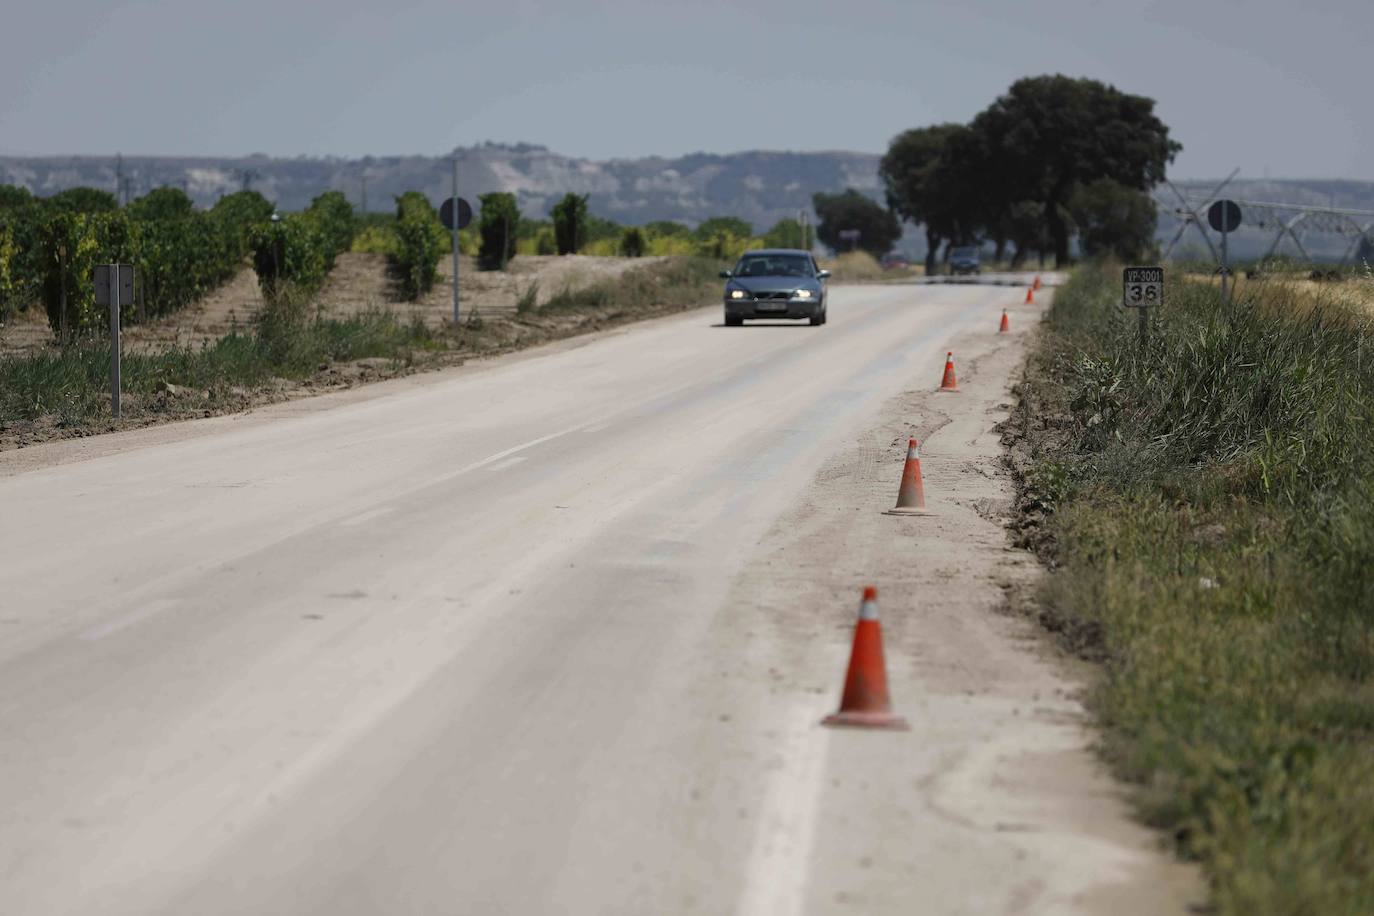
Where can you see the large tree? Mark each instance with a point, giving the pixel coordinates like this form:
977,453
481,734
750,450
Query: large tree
924,183
1048,135
1113,220
878,228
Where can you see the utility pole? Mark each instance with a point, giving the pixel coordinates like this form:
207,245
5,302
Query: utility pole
455,241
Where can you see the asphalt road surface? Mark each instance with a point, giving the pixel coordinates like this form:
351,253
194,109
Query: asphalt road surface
462,643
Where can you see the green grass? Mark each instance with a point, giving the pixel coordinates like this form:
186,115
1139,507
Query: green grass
72,384
1209,511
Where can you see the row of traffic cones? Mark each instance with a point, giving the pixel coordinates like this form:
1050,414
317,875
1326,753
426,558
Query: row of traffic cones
865,702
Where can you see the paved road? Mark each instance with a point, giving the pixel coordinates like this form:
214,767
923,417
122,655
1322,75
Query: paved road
438,651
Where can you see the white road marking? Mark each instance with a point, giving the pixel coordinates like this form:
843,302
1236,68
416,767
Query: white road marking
492,459
779,861
509,462
596,427
109,628
367,516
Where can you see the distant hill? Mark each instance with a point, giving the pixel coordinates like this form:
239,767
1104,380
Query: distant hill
761,187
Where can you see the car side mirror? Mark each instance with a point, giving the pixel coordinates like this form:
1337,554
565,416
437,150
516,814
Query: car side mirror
823,275
725,275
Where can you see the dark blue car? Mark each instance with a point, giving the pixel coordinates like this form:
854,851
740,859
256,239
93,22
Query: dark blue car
775,283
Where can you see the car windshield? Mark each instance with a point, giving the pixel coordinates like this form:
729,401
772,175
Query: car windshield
774,265
964,253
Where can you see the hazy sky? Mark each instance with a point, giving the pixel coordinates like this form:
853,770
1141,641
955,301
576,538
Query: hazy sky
1278,88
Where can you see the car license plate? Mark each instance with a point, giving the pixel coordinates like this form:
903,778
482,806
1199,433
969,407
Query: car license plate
772,306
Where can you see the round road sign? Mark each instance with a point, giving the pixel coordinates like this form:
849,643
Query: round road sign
1224,216
464,213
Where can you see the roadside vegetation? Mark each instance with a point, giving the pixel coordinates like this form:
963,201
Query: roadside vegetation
69,387
1206,502
290,348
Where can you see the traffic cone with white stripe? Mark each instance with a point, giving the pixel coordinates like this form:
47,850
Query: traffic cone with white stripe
911,494
949,382
865,702
1006,325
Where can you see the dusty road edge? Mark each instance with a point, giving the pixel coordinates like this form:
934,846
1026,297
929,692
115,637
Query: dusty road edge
995,801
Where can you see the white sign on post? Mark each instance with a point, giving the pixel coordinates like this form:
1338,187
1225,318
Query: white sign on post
1142,287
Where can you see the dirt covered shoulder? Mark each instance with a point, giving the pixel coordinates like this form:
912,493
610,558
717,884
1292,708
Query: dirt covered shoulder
995,801
1204,504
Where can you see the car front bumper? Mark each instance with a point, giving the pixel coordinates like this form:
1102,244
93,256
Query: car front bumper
772,308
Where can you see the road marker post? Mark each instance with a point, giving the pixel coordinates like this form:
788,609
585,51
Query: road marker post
114,285
455,213
1142,288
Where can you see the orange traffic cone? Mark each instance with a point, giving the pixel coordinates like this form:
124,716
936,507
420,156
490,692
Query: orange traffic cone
949,383
1036,285
911,494
1006,325
1030,296
865,703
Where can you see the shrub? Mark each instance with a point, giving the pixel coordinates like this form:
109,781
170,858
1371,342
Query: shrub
717,226
20,259
161,203
786,233
570,223
240,214
73,243
498,225
177,261
545,243
8,255
290,252
666,228
15,197
81,200
632,243
375,240
335,216
420,242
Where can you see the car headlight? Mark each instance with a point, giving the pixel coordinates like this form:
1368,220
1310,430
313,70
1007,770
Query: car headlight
803,294
737,294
